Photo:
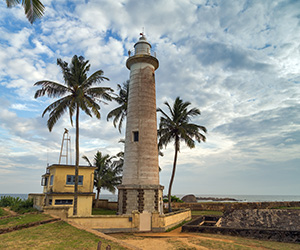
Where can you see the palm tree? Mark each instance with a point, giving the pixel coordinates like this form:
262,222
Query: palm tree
177,128
33,8
76,94
120,112
107,173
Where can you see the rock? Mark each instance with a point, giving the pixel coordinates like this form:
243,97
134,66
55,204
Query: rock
189,198
215,199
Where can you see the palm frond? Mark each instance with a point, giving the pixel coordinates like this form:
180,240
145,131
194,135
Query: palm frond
100,93
93,106
33,9
63,101
87,160
12,3
177,127
51,89
57,112
96,77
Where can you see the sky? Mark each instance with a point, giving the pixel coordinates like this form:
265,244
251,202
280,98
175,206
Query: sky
237,61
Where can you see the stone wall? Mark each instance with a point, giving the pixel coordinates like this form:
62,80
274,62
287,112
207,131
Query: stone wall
226,206
268,224
262,218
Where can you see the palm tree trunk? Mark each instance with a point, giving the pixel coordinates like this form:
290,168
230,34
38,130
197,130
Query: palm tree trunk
173,173
97,199
76,162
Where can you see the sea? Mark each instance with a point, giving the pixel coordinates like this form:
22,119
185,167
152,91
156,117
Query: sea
239,198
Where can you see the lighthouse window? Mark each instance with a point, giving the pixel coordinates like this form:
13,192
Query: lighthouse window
135,135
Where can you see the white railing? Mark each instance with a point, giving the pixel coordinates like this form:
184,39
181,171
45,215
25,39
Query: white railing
140,52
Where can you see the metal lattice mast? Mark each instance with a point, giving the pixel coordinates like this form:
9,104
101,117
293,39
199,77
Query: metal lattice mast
66,141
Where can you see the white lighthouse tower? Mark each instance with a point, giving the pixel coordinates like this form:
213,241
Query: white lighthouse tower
140,190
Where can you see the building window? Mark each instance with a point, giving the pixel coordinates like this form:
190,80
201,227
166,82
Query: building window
44,181
51,180
63,202
135,135
50,202
71,180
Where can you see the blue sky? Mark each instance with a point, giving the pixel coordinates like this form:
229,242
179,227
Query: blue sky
237,61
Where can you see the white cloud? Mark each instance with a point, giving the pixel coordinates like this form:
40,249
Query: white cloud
237,61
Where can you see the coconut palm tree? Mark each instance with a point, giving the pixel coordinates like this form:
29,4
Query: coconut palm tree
120,112
177,127
107,173
33,8
76,93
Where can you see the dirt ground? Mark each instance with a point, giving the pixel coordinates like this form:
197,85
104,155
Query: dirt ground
170,240
187,241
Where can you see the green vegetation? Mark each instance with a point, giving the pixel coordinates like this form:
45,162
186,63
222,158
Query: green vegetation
17,205
22,220
178,128
207,212
76,94
102,211
33,9
119,113
296,208
107,173
177,226
8,201
174,198
58,235
3,212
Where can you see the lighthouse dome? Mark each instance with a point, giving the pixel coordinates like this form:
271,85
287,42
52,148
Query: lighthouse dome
142,46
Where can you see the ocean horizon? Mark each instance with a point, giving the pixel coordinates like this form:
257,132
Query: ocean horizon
239,198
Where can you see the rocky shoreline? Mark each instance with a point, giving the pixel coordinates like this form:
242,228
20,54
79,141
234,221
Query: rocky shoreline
215,199
193,198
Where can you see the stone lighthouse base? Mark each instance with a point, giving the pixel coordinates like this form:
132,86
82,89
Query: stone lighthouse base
141,198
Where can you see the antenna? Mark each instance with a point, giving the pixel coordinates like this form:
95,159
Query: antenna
47,157
66,141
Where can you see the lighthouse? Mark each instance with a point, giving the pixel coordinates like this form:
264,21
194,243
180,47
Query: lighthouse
140,189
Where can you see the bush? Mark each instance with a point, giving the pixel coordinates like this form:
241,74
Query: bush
173,199
8,201
16,204
24,206
1,212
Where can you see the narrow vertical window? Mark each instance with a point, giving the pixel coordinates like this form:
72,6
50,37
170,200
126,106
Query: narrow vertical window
51,180
135,135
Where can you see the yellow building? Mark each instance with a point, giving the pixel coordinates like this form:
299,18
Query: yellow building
58,190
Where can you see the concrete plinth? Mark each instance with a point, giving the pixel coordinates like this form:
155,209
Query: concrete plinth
142,198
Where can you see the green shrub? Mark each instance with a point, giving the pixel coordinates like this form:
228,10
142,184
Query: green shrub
16,204
8,201
173,199
1,212
24,206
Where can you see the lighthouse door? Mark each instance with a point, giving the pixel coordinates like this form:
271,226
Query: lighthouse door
145,221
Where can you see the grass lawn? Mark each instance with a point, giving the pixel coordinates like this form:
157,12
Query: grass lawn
58,235
3,212
292,208
23,219
102,211
202,213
